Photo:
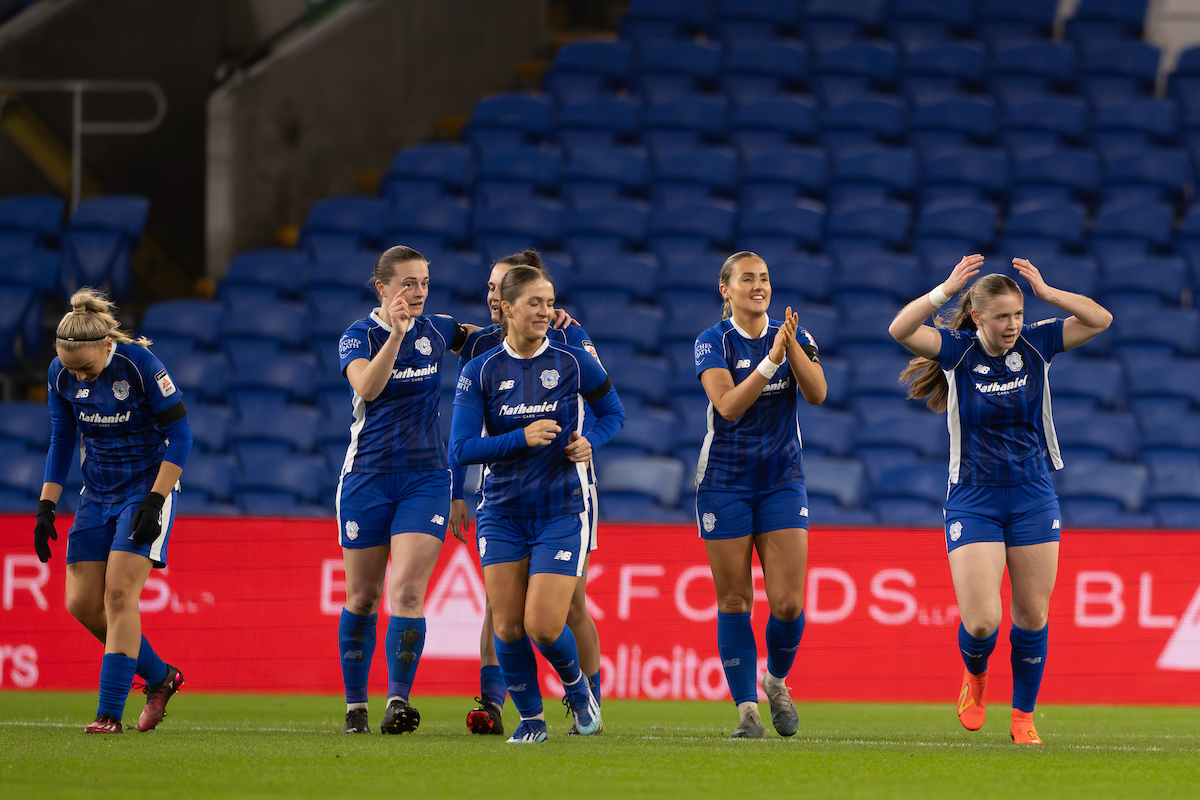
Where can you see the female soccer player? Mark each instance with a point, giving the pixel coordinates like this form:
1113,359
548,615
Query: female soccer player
394,493
750,492
988,371
526,397
136,438
486,718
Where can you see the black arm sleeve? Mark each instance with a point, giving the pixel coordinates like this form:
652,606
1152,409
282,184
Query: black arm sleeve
811,352
170,415
460,338
595,394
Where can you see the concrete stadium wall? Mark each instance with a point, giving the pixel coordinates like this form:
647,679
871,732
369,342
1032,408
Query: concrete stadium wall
343,98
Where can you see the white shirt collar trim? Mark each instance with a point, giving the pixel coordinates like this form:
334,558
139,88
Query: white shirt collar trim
508,349
111,352
379,320
738,328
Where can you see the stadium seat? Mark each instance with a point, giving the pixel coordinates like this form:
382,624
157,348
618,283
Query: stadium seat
973,117
1133,64
202,375
1143,219
686,312
1180,514
1160,279
657,476
684,122
641,377
199,320
623,223
1103,434
624,168
605,121
40,216
691,413
878,117
697,63
801,223
827,430
282,271
760,69
20,325
1060,221
506,120
1151,118
647,21
711,222
283,322
1092,512
962,62
292,373
1052,61
640,325
637,507
99,240
24,472
692,174
838,478
651,429
336,224
210,425
25,422
1107,19
445,222
1057,174
908,512
924,480
1178,328
427,171
895,169
274,503
213,475
1097,380
972,221
1123,482
1160,170
965,172
294,426
923,433
1169,378
611,60
1003,21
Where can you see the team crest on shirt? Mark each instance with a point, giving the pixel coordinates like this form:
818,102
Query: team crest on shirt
423,346
709,520
351,530
955,530
1014,362
121,390
550,378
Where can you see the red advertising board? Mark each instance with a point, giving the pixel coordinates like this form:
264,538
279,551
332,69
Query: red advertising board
252,605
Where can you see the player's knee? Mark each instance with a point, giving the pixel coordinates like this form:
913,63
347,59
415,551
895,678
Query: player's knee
509,631
787,609
981,627
85,611
735,604
117,601
407,600
362,601
1030,619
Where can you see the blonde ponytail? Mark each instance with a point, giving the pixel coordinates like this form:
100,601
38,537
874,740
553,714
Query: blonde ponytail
90,320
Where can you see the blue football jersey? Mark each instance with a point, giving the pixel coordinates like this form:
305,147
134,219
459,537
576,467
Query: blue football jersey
122,443
998,410
762,448
399,430
484,339
510,392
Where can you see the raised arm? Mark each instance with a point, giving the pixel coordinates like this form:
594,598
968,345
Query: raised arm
370,376
909,328
731,401
1088,318
806,367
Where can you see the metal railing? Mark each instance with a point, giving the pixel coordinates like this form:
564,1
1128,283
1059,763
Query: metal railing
81,126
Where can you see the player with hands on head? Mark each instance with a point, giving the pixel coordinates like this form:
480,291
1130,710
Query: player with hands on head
518,409
135,440
988,371
486,717
750,483
394,492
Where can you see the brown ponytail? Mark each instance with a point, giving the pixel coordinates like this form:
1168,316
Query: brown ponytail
91,320
924,375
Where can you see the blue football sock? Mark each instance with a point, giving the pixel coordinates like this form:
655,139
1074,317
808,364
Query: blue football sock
150,667
739,655
519,667
405,641
1028,661
563,655
356,644
975,651
116,676
491,685
595,679
783,640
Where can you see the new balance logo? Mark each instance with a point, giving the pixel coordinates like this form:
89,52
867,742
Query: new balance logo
982,369
520,687
352,655
82,393
562,555
1037,660
438,519
733,662
743,364
1057,525
506,385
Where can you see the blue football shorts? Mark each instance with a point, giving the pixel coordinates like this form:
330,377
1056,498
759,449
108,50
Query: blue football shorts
1018,515
734,513
372,507
101,528
556,544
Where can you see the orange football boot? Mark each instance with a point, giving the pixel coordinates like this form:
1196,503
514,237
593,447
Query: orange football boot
1022,730
971,708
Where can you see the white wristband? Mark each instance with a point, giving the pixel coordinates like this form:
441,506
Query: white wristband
938,297
768,367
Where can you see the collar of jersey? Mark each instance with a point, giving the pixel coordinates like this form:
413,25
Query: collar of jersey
379,321
538,352
112,352
738,328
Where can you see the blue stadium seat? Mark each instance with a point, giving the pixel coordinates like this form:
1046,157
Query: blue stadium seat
886,221
212,475
863,331
837,378
1180,514
1103,434
610,60
534,222
893,168
693,174
442,221
772,123
1060,174
1134,61
1090,512
1137,218
1060,221
334,309
802,223
1125,483
20,324
875,60
1066,118
827,430
36,214
964,172
292,373
1052,61
840,479
651,429
24,472
676,69
646,21
892,277
971,221
1160,280
1107,19
275,503
640,325
908,512
1165,171
284,322
802,169
535,166
1149,117
99,240
201,375
1177,479
808,276
641,377
637,507
963,62
923,480
595,122
656,476
210,425
505,120
971,116
427,171
878,376
343,223
1177,328
1168,378
25,422
691,413
1178,431
923,433
1100,381
199,320
686,310
684,122
881,116
341,270
710,222
1003,21
757,70
281,270
622,168
624,223
293,426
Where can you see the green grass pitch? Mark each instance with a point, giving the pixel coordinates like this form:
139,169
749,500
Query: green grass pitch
289,746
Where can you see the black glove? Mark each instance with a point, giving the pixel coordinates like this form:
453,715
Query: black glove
44,531
147,520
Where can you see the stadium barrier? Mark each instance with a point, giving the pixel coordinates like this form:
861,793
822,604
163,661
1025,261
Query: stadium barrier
251,605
